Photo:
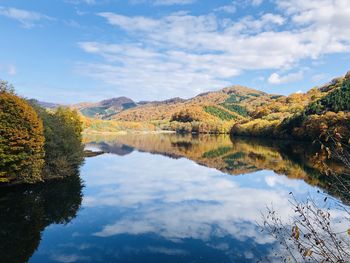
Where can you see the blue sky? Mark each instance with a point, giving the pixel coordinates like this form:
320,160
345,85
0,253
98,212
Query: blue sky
71,51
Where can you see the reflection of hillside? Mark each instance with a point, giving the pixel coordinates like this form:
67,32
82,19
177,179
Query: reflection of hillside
236,156
27,210
115,148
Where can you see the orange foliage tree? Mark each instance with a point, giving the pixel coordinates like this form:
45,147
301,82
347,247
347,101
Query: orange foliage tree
21,139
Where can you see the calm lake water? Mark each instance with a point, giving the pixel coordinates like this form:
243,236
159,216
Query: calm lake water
160,198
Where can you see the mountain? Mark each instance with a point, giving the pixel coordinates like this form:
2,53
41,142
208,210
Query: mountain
168,101
215,112
238,110
228,103
105,108
47,105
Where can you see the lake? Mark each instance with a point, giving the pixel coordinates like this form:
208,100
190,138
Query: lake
162,198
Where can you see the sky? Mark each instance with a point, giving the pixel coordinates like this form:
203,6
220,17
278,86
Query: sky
70,51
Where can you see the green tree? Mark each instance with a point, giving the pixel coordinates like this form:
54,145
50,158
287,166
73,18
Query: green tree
219,113
6,87
63,145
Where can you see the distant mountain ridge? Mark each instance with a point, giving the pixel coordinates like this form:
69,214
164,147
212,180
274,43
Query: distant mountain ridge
47,105
221,100
243,111
225,105
125,109
108,108
161,102
105,108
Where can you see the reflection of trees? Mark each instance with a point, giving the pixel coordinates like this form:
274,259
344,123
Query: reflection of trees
118,149
236,155
27,210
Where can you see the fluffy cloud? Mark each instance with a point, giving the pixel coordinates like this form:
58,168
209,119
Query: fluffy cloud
231,8
182,54
28,19
8,69
275,78
12,70
89,2
164,2
173,2
256,2
166,202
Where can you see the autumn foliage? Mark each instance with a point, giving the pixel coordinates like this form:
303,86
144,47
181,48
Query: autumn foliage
63,147
21,140
36,145
324,110
243,111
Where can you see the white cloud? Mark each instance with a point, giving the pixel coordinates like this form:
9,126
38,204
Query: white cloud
276,78
165,202
12,70
167,251
231,8
328,19
163,2
69,258
88,2
28,19
8,69
173,2
319,77
181,54
256,2
130,23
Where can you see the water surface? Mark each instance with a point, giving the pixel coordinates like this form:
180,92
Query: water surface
160,198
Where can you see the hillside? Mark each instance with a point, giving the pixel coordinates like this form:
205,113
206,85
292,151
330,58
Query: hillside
237,109
44,104
221,99
105,108
208,112
322,111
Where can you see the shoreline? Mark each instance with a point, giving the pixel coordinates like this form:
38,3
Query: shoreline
125,132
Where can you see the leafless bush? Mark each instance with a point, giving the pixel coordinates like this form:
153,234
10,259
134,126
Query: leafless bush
312,233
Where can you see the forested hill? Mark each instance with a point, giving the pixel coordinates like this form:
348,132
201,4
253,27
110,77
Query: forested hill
226,104
239,110
321,112
125,109
106,108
